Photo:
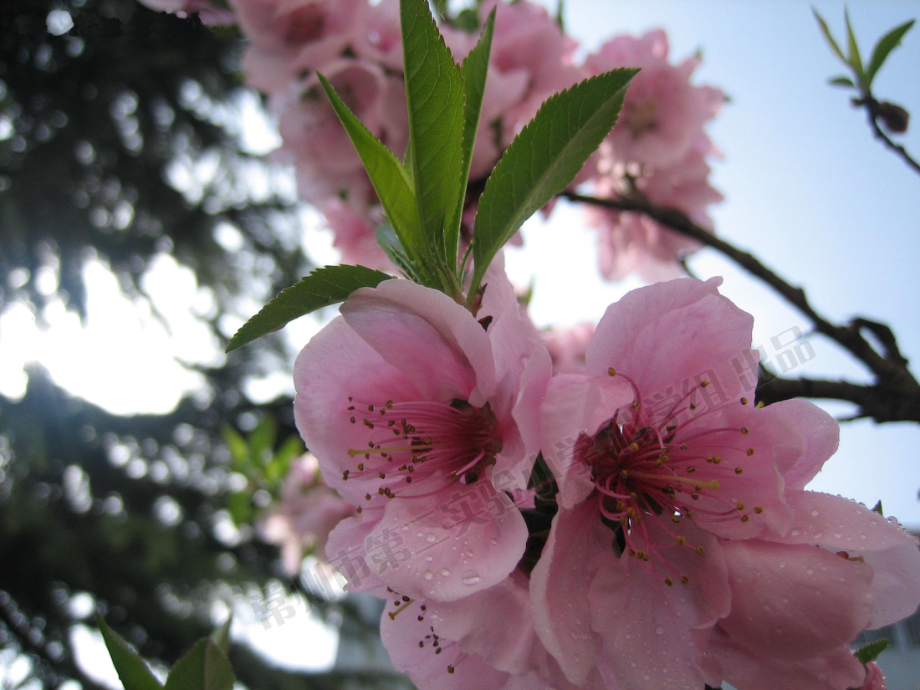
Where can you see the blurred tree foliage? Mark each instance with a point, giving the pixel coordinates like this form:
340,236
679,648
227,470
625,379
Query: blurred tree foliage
120,142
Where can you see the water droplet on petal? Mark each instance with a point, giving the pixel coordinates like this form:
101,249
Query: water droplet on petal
470,577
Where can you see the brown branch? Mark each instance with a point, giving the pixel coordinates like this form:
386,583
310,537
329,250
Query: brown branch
895,395
873,109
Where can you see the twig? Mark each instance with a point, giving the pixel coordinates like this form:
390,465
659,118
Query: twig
872,109
895,396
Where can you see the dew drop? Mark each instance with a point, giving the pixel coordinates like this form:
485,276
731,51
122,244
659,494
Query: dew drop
428,575
430,537
470,577
658,631
814,513
445,572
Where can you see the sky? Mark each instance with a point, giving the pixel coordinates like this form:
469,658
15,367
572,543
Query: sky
808,190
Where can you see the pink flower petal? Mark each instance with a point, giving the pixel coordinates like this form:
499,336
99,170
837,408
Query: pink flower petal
794,602
751,669
434,341
842,525
462,540
644,622
820,435
668,336
575,405
559,589
335,365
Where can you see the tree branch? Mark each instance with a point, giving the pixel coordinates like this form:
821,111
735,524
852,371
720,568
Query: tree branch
873,107
895,395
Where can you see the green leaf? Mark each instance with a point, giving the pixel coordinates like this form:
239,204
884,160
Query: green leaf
560,14
878,509
883,49
440,6
221,636
390,179
239,449
871,651
474,70
132,671
239,505
434,91
543,159
321,288
262,441
291,449
855,59
205,667
392,247
841,81
829,38
467,20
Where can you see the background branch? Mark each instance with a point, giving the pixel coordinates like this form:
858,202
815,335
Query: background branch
874,111
895,393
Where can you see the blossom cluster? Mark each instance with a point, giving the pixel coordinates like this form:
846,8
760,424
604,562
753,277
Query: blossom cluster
659,149
669,541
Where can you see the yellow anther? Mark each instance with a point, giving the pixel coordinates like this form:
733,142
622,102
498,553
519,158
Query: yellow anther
704,383
744,430
740,505
739,470
681,540
685,579
611,371
668,581
744,401
759,404
750,452
700,550
758,510
634,446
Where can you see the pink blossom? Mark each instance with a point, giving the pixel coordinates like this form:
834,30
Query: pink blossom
424,418
327,164
379,37
663,114
288,37
568,347
806,603
208,12
531,59
486,640
632,242
308,512
874,678
661,439
355,233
